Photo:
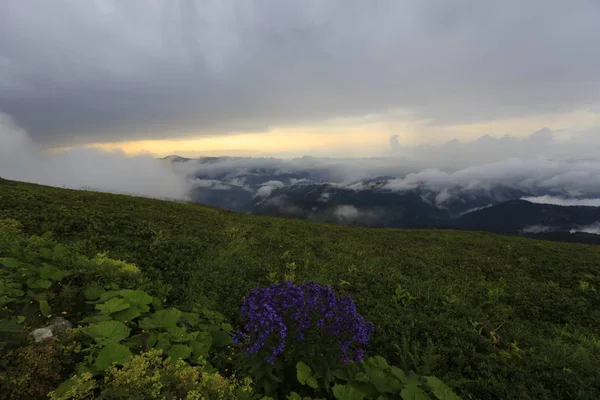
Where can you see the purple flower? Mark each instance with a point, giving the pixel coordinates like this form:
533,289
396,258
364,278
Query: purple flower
283,311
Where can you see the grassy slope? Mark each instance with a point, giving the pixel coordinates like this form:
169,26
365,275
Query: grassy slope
537,297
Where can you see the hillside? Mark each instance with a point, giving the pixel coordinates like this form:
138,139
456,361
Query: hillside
494,316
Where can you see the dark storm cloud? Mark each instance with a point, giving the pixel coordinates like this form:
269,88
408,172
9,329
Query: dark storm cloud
76,72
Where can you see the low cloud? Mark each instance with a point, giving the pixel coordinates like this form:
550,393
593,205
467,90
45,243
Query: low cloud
560,201
537,229
243,170
22,160
267,188
593,229
561,177
210,184
346,213
540,179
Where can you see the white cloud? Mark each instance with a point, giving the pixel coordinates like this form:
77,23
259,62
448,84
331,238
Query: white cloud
537,229
566,177
593,229
346,213
561,201
267,188
209,184
22,160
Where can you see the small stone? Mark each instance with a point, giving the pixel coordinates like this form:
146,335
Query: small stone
58,327
41,334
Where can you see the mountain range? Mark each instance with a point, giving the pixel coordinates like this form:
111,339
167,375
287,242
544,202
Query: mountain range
313,193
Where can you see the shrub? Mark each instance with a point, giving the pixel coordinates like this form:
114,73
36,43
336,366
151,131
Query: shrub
151,376
33,370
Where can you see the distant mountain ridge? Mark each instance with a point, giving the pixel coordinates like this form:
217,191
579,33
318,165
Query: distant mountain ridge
376,202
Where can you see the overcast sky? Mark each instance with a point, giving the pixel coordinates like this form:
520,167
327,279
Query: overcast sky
260,76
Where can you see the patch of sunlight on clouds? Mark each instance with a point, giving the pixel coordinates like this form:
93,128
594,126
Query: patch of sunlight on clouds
354,136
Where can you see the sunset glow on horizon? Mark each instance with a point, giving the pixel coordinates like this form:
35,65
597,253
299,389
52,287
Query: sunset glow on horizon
358,137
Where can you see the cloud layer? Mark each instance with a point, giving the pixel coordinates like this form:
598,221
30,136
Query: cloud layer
76,72
539,179
561,177
487,149
23,160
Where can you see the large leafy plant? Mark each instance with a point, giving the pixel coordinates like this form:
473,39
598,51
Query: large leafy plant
376,379
23,283
131,321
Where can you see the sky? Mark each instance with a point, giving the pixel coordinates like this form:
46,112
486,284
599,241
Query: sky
341,78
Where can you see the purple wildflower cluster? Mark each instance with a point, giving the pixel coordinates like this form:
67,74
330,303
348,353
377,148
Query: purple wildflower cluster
276,313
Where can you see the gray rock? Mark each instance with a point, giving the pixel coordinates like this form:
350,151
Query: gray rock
57,328
42,334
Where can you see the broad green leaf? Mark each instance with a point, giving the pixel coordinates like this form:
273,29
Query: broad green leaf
52,273
227,327
305,375
378,362
179,334
45,308
161,319
107,296
440,389
112,306
96,318
179,351
112,353
368,389
361,377
38,283
10,262
406,379
137,298
10,326
37,296
381,378
108,331
150,339
347,373
202,343
157,303
134,341
413,392
213,316
272,376
63,391
46,253
221,339
162,341
93,292
128,314
21,319
192,319
13,292
347,392
59,251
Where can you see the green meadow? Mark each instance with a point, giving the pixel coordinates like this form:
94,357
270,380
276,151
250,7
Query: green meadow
493,317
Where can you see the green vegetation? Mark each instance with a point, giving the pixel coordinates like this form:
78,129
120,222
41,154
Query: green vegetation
492,316
128,344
